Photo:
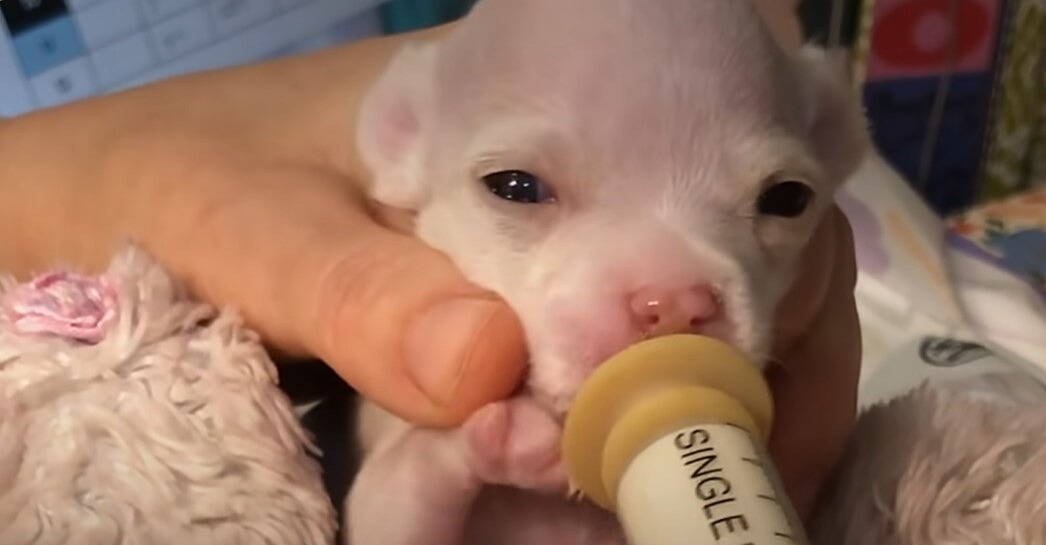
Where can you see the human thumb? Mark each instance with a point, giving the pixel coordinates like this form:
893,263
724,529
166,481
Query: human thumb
398,321
316,275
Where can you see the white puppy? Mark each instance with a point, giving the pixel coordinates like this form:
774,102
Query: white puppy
616,170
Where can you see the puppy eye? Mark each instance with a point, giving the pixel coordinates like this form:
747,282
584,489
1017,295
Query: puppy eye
786,199
519,186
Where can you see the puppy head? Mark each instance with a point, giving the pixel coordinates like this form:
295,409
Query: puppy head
615,170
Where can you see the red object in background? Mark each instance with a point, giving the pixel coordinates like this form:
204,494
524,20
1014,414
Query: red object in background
910,37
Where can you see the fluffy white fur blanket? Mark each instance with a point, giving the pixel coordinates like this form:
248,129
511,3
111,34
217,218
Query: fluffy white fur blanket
149,420
955,463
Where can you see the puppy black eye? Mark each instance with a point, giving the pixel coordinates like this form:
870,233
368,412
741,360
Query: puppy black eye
518,186
785,199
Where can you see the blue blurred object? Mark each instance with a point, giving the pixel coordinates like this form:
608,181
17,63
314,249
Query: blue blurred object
406,15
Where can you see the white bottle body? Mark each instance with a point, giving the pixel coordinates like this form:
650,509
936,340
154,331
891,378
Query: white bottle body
705,484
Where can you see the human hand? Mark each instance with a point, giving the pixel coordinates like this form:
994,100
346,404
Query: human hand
817,364
244,184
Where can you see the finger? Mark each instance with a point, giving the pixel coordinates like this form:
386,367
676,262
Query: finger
807,297
815,387
815,414
315,274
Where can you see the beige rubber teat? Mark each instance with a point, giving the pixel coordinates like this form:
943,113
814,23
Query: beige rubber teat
654,388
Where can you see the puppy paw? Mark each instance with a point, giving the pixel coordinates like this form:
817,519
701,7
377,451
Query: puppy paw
516,443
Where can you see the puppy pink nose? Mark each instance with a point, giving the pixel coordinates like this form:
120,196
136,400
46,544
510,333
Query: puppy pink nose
672,311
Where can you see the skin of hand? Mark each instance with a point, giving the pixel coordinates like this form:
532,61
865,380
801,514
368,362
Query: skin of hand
817,364
244,183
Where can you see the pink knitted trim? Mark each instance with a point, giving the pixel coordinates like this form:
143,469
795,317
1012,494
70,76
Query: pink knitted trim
61,303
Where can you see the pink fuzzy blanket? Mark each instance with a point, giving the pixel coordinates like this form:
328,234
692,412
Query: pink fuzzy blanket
130,414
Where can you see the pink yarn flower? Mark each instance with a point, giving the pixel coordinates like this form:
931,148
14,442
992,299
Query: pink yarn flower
64,304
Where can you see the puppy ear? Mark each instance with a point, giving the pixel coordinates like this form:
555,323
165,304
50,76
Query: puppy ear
394,117
835,121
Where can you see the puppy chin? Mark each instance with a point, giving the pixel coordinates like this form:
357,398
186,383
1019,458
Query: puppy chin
568,339
558,369
556,393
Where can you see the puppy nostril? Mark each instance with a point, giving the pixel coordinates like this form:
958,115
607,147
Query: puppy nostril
660,312
652,312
